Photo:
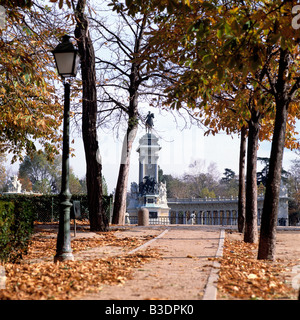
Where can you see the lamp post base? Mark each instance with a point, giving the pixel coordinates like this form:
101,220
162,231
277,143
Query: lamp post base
65,256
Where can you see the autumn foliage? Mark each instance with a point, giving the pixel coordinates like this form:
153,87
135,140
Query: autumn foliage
37,277
242,276
30,110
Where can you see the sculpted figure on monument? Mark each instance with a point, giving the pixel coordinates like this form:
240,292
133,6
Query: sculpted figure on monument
149,122
149,186
163,192
134,190
14,185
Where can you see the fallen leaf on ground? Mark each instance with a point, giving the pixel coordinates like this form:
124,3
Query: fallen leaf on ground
70,279
66,280
242,276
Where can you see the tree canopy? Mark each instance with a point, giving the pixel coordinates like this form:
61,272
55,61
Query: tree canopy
228,53
30,110
240,57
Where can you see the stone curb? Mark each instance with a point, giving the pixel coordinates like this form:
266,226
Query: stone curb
148,242
211,289
211,286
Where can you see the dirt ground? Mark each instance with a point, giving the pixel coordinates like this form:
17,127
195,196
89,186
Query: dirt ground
187,254
101,252
287,254
287,249
182,272
186,262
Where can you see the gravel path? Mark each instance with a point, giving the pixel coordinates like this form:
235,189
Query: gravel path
181,274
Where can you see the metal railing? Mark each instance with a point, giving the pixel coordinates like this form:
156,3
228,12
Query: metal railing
199,220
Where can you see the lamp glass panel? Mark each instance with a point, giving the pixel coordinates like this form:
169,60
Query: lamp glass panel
64,62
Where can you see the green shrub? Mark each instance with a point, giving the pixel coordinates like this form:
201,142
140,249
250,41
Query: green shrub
19,211
16,227
6,221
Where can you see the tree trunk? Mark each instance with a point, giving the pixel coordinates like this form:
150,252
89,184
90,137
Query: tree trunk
135,81
242,185
250,234
267,240
121,189
98,219
269,215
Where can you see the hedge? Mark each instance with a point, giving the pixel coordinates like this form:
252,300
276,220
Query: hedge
45,208
19,211
16,227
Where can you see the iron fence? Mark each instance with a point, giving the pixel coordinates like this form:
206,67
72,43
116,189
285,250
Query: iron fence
199,220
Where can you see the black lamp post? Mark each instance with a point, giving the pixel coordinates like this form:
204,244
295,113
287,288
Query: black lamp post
66,59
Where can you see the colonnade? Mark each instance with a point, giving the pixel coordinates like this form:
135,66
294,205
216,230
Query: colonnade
208,217
210,212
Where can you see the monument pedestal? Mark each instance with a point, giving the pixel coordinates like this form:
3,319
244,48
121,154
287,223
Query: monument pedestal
148,193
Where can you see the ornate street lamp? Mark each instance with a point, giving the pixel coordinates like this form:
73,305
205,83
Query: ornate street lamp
67,60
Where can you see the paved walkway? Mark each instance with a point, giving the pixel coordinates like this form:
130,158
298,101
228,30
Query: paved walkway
183,272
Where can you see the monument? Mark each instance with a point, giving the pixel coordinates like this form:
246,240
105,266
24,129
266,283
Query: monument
14,185
149,193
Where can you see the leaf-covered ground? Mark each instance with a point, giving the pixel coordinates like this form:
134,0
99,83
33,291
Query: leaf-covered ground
67,280
242,276
42,244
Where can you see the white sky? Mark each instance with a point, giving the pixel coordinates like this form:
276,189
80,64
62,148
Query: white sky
179,149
